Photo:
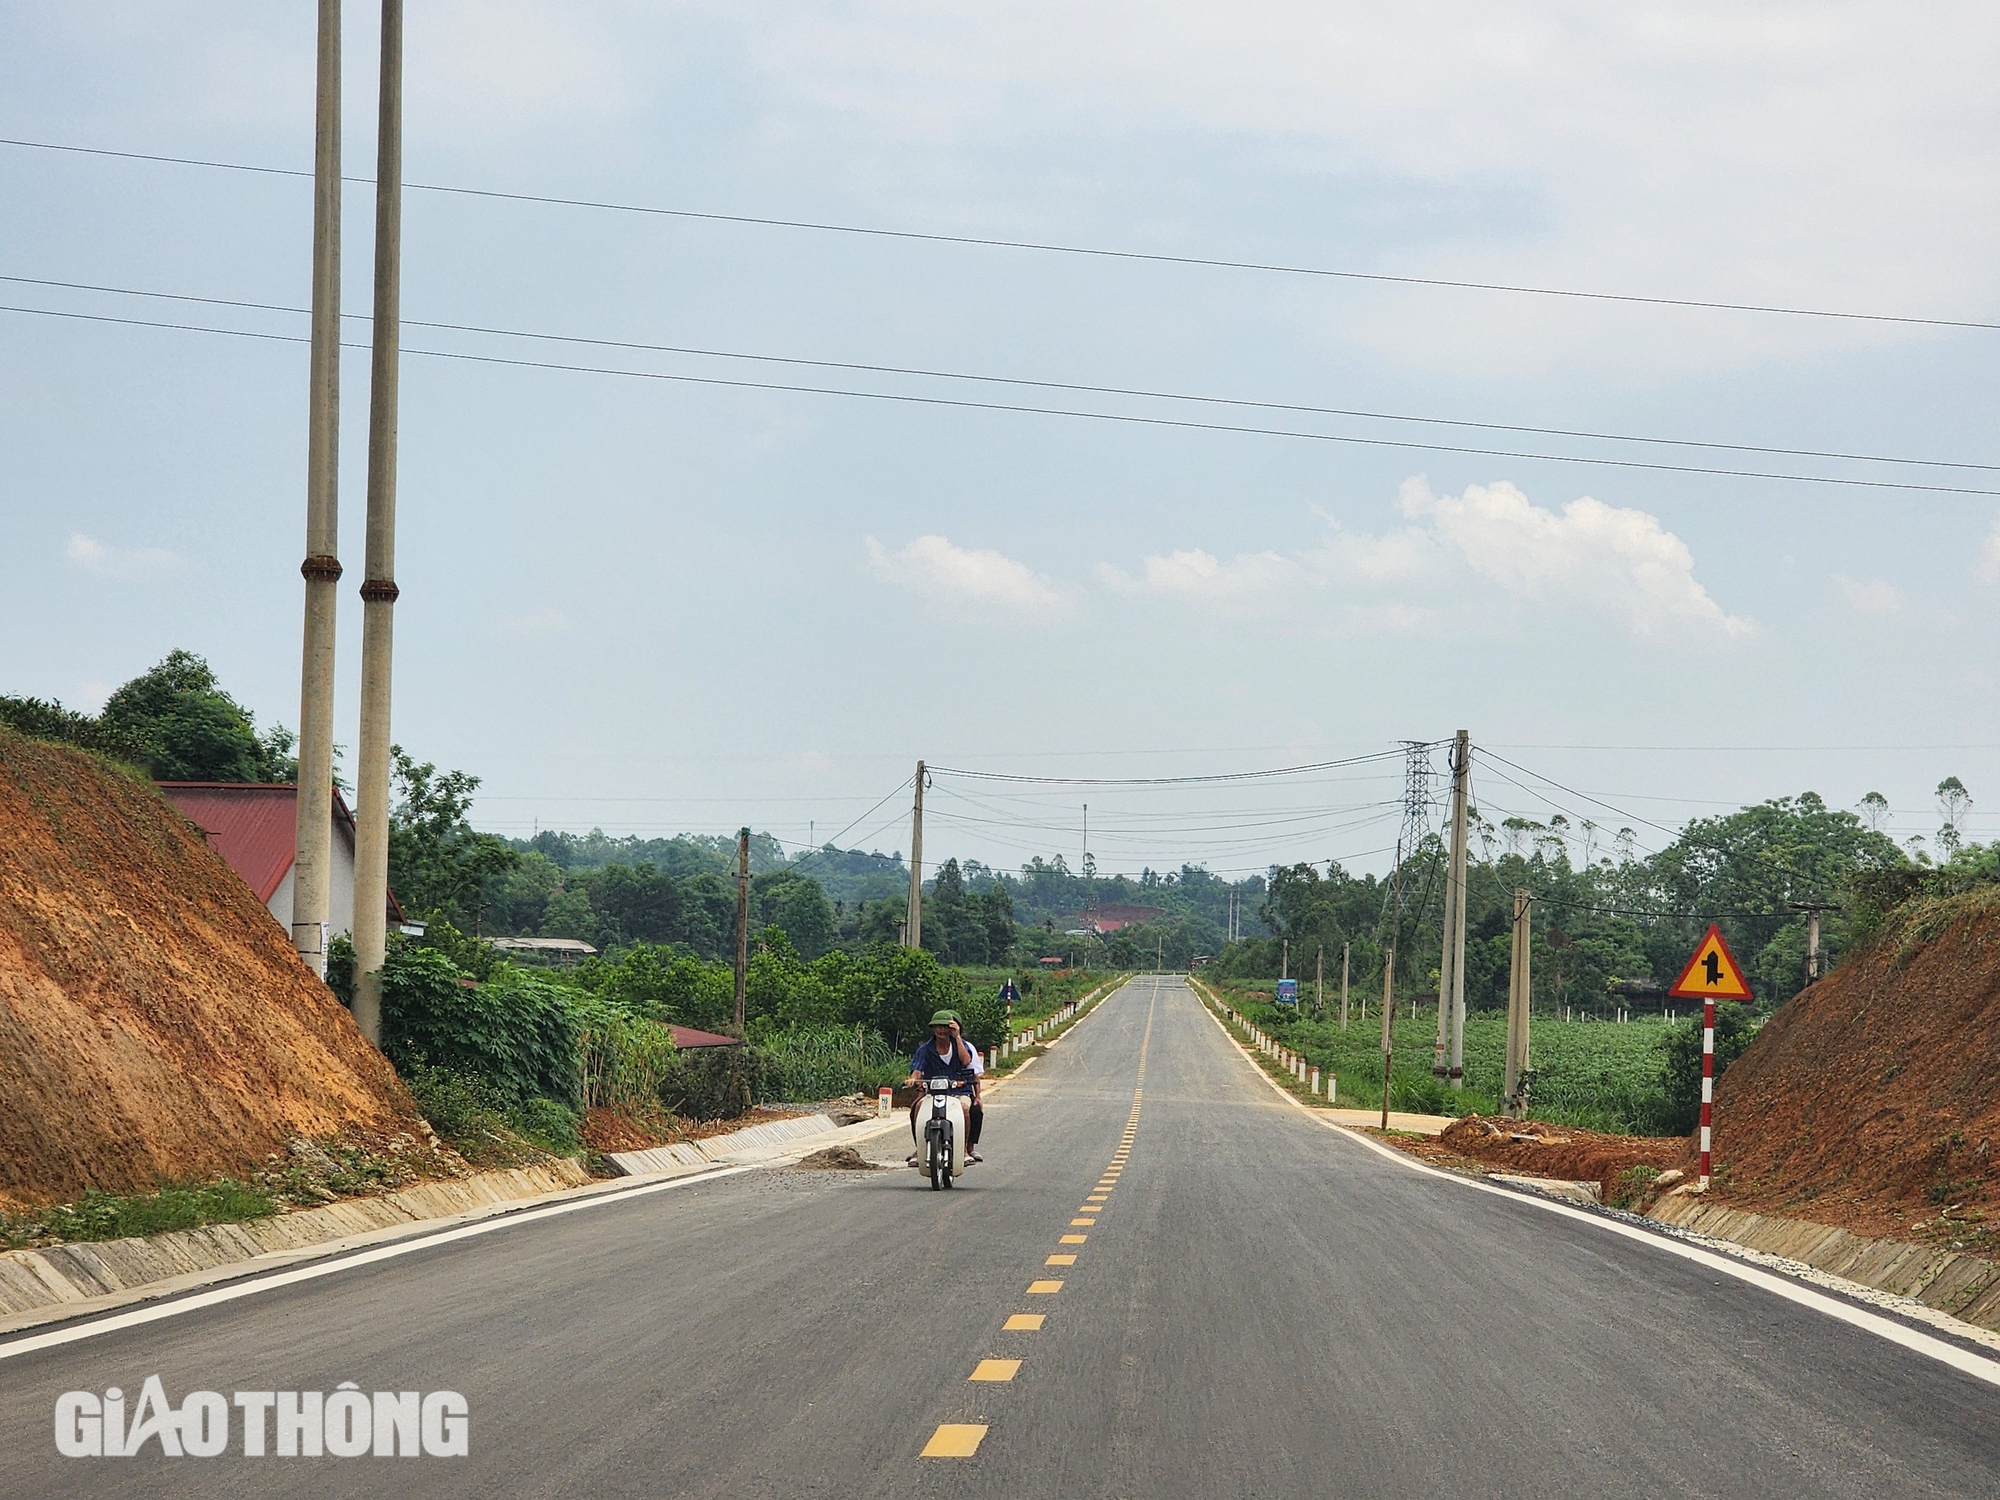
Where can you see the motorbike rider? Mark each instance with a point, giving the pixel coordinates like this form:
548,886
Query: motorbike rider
946,1054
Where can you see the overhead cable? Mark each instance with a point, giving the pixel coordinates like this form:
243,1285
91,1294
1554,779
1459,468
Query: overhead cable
1124,418
1078,387
1051,247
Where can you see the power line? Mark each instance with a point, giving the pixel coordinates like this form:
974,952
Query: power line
1324,765
1126,418
1050,247
864,367
835,840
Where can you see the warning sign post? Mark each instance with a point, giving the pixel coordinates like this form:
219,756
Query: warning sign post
1712,974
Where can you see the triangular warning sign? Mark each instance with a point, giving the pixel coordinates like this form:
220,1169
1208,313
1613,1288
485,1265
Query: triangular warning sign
1713,973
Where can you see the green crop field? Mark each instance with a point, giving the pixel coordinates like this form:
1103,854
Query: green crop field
1595,1074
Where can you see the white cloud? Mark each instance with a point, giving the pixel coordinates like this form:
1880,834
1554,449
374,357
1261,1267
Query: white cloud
1619,563
1869,596
547,620
88,555
1988,567
1619,560
1249,580
948,574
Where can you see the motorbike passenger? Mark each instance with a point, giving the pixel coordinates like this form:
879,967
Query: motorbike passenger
975,1117
944,1055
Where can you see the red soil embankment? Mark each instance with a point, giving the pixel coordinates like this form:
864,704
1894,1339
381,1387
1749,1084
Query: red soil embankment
155,1023
1872,1100
1547,1150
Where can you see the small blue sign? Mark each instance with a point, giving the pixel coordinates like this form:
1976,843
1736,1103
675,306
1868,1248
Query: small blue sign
1288,992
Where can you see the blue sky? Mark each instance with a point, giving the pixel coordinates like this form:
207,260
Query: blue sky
654,606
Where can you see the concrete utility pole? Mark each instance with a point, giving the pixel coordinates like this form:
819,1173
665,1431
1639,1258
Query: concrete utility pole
378,589
1285,958
1452,991
913,927
1319,983
1389,978
742,921
312,863
1343,986
1812,909
1519,994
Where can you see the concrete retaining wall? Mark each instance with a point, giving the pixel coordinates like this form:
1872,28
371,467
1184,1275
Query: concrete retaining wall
1966,1286
65,1274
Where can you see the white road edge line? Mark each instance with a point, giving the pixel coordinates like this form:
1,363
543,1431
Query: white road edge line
1962,1360
332,1265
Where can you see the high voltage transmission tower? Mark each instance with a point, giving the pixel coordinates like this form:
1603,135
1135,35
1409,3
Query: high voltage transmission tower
1417,798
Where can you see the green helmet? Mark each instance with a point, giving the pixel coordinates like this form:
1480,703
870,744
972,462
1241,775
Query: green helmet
944,1018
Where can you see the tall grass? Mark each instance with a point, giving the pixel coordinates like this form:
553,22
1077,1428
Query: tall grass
621,1061
824,1062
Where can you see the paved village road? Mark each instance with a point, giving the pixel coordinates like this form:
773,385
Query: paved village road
1259,1306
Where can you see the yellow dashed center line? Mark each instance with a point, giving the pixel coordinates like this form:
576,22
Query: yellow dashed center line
955,1440
962,1439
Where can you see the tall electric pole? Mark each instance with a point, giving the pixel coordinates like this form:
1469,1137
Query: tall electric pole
1812,909
378,589
1452,991
1389,977
742,921
1343,986
913,928
312,862
1519,994
1319,983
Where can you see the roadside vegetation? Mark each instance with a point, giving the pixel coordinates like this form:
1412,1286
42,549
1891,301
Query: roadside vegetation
1642,1077
510,1059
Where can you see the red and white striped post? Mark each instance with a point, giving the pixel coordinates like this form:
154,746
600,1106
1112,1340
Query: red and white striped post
1707,1082
1712,974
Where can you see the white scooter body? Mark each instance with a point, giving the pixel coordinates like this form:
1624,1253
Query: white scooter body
949,1110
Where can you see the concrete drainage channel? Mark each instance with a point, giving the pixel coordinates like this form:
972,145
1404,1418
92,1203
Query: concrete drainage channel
76,1280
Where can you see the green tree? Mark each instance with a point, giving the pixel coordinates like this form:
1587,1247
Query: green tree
437,862
188,729
794,903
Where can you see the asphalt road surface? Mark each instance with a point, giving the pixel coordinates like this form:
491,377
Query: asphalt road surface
1258,1306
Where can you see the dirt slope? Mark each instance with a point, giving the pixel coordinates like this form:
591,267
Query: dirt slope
154,1020
1873,1098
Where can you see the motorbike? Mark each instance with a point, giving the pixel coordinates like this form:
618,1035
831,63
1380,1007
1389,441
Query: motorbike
944,1134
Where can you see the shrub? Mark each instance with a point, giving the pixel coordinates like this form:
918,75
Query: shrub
1682,1061
719,1083
518,1032
554,1127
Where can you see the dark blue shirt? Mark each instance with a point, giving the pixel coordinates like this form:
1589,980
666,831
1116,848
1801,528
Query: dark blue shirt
953,1065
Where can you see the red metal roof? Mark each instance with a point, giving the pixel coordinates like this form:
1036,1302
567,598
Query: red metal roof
687,1036
253,825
